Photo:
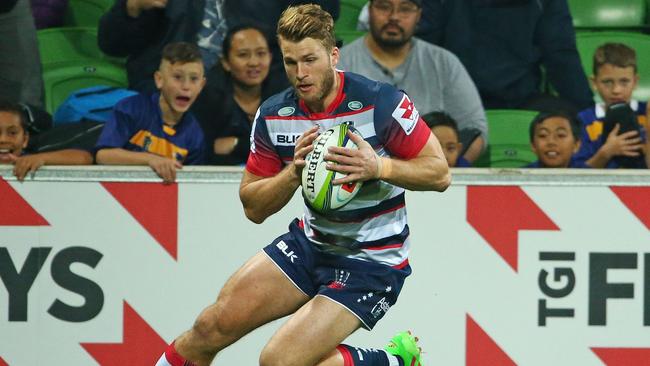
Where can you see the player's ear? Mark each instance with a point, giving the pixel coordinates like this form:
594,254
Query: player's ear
334,56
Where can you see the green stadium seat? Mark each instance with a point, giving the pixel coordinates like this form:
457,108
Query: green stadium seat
587,42
345,28
608,14
85,13
60,81
70,44
349,15
509,142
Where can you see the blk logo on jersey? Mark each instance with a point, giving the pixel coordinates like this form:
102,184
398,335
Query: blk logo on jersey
285,139
406,114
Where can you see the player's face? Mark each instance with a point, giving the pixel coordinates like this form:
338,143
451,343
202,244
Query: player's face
13,138
311,70
449,142
615,84
393,22
179,85
554,143
249,58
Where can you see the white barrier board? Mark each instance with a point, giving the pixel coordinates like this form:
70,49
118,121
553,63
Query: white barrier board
108,273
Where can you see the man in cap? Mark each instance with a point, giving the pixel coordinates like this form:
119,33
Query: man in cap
433,78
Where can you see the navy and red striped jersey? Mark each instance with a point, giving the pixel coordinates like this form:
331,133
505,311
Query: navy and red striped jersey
373,225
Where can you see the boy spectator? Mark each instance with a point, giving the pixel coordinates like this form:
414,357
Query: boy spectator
433,77
156,129
554,138
446,130
603,145
14,138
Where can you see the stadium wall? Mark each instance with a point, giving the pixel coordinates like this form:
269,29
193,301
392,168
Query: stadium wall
104,265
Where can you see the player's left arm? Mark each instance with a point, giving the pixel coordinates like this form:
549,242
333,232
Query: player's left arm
427,171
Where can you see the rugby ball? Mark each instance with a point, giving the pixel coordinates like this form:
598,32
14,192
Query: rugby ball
317,188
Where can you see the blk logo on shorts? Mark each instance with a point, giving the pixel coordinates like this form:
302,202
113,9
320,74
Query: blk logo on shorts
284,249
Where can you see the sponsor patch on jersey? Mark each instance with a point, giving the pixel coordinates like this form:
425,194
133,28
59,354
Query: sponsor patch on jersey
406,114
286,111
355,105
284,138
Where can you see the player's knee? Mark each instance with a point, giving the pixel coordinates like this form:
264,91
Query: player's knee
214,330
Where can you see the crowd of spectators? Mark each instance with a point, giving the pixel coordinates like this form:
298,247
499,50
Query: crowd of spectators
202,68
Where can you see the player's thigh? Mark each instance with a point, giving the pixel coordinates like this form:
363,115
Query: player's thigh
256,294
311,334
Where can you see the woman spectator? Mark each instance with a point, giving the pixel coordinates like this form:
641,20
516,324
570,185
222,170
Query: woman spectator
226,112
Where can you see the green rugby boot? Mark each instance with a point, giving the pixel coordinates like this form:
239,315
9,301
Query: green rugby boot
405,346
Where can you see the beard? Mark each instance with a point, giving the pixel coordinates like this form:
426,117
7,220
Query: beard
389,42
324,87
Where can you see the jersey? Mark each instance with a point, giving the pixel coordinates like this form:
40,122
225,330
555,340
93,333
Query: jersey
592,134
137,125
373,226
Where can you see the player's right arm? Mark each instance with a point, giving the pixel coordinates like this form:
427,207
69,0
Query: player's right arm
263,196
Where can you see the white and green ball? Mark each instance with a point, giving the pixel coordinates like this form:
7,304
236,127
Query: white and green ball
317,188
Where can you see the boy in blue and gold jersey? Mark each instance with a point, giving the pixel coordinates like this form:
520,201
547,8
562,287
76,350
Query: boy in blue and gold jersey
607,141
157,130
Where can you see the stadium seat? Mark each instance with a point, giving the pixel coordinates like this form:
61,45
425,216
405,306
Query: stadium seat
85,13
587,42
349,14
60,81
70,44
608,14
346,25
509,142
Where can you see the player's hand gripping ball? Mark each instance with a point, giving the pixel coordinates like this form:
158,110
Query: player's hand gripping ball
317,188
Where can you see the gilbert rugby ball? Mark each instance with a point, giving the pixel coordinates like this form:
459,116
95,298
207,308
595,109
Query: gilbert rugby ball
317,188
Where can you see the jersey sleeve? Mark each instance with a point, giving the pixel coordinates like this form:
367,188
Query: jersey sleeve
263,160
398,123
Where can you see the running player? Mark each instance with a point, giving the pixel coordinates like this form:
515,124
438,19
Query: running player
338,271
